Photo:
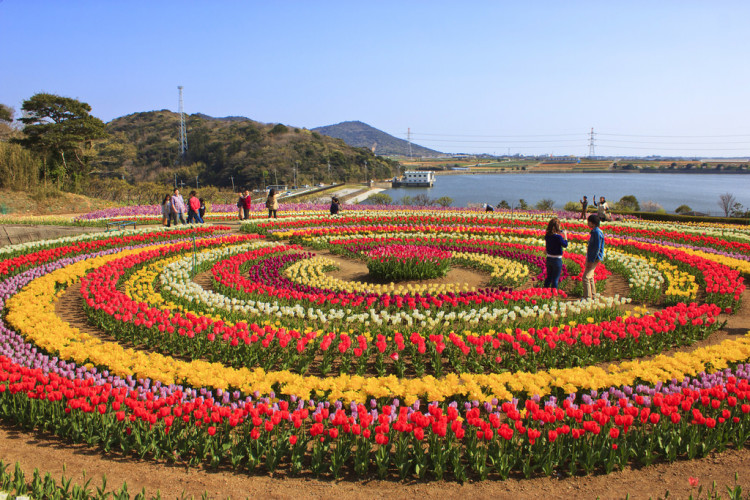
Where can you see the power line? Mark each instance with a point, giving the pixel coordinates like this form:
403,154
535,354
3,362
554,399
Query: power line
498,142
677,136
497,136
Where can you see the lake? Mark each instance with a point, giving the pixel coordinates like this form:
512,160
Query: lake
699,191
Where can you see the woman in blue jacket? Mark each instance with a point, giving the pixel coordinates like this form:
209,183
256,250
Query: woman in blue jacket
555,242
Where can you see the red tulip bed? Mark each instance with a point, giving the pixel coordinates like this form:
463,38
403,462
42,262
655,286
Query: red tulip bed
407,262
274,364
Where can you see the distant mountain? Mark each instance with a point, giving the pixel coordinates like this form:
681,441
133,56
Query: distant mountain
223,118
362,135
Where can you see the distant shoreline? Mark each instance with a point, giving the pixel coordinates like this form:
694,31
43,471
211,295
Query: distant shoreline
578,172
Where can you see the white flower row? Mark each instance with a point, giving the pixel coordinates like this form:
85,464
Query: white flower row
643,278
176,281
39,244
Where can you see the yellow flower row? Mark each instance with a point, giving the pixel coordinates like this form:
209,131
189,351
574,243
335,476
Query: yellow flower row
679,283
32,313
140,288
501,268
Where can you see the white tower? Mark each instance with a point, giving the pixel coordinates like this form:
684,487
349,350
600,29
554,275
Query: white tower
183,133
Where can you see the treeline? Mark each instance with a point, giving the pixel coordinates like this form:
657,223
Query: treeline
58,143
226,152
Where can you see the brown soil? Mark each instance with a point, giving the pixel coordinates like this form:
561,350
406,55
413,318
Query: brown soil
49,454
356,270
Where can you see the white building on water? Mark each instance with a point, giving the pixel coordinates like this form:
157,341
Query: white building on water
416,179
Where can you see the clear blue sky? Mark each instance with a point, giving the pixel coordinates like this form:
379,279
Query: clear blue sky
480,76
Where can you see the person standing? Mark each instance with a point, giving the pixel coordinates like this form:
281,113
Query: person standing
247,204
594,255
178,207
272,204
241,206
602,209
335,205
166,208
554,242
584,206
202,209
194,205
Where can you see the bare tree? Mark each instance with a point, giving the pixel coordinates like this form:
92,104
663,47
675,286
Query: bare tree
727,201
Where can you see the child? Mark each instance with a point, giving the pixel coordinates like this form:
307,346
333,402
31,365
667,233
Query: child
202,209
334,206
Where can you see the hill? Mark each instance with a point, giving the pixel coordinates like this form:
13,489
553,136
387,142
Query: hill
362,135
145,147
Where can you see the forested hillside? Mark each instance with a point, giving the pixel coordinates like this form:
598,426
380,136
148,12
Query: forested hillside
145,147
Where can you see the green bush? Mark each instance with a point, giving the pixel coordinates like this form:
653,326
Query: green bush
545,204
379,199
684,218
572,206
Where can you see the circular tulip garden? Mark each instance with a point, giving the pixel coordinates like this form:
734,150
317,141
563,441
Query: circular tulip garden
250,350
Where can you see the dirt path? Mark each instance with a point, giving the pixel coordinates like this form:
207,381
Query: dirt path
48,453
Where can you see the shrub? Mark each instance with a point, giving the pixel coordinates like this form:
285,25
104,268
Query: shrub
380,199
545,204
652,206
444,201
683,209
628,202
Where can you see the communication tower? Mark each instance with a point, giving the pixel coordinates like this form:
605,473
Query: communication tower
183,133
592,153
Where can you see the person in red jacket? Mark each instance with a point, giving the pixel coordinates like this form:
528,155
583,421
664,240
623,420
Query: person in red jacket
194,205
248,200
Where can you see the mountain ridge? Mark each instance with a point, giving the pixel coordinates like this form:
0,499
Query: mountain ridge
361,135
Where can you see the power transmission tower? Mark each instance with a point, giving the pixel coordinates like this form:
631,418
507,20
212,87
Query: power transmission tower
592,152
408,138
183,133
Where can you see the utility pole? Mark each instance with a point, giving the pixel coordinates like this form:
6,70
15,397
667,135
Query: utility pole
183,132
295,172
592,153
196,182
329,172
365,171
408,138
232,177
175,181
275,178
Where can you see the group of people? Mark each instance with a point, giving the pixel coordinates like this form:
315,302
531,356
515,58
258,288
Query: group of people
556,239
602,208
244,202
173,208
